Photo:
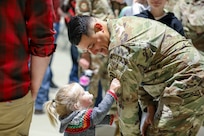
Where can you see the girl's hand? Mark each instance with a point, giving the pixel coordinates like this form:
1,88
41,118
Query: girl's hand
115,84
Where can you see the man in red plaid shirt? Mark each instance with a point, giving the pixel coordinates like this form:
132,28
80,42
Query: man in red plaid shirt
26,35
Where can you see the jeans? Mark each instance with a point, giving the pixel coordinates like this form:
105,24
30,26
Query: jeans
73,77
100,94
56,27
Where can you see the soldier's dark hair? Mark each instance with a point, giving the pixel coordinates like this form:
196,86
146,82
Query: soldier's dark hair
77,26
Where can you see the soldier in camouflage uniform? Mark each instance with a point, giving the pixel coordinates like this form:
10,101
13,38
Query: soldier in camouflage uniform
155,65
191,14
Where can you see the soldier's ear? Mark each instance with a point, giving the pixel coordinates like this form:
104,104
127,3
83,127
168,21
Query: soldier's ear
98,27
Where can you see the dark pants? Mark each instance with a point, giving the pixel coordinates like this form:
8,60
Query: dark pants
73,77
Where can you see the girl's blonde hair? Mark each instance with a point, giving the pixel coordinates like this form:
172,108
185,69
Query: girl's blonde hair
63,104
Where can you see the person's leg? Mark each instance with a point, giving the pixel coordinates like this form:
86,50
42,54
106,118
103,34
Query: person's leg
129,124
73,76
43,94
99,96
56,27
16,116
52,84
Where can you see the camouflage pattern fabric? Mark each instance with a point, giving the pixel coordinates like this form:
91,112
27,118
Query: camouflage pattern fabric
170,5
156,66
97,8
191,14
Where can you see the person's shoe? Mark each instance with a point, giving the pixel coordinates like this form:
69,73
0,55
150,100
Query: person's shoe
39,112
53,85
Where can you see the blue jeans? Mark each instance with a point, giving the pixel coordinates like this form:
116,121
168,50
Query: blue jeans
43,93
56,27
73,76
100,94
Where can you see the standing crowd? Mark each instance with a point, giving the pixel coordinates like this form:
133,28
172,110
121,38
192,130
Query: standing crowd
146,56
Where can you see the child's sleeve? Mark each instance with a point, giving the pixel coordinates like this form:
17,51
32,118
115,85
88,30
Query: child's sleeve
108,120
99,113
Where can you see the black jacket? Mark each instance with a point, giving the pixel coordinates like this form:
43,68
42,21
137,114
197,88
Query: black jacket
170,20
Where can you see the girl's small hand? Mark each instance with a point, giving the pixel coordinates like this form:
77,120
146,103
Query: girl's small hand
115,84
116,117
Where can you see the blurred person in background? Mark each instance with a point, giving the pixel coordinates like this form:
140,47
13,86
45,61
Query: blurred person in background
156,11
191,15
27,36
67,10
136,7
117,6
57,17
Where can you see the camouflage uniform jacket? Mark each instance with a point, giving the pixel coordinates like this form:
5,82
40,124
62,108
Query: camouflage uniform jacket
150,59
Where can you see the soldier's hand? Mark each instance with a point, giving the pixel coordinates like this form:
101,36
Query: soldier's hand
149,119
115,84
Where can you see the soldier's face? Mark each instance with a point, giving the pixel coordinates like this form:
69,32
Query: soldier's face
96,43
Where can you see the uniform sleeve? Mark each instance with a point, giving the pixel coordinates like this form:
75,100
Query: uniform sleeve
128,63
40,15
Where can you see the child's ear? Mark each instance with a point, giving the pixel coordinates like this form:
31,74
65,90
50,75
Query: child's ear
77,105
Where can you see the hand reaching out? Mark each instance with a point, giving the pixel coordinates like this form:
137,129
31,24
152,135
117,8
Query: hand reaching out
115,84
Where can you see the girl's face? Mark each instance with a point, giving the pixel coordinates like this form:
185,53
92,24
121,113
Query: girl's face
85,99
